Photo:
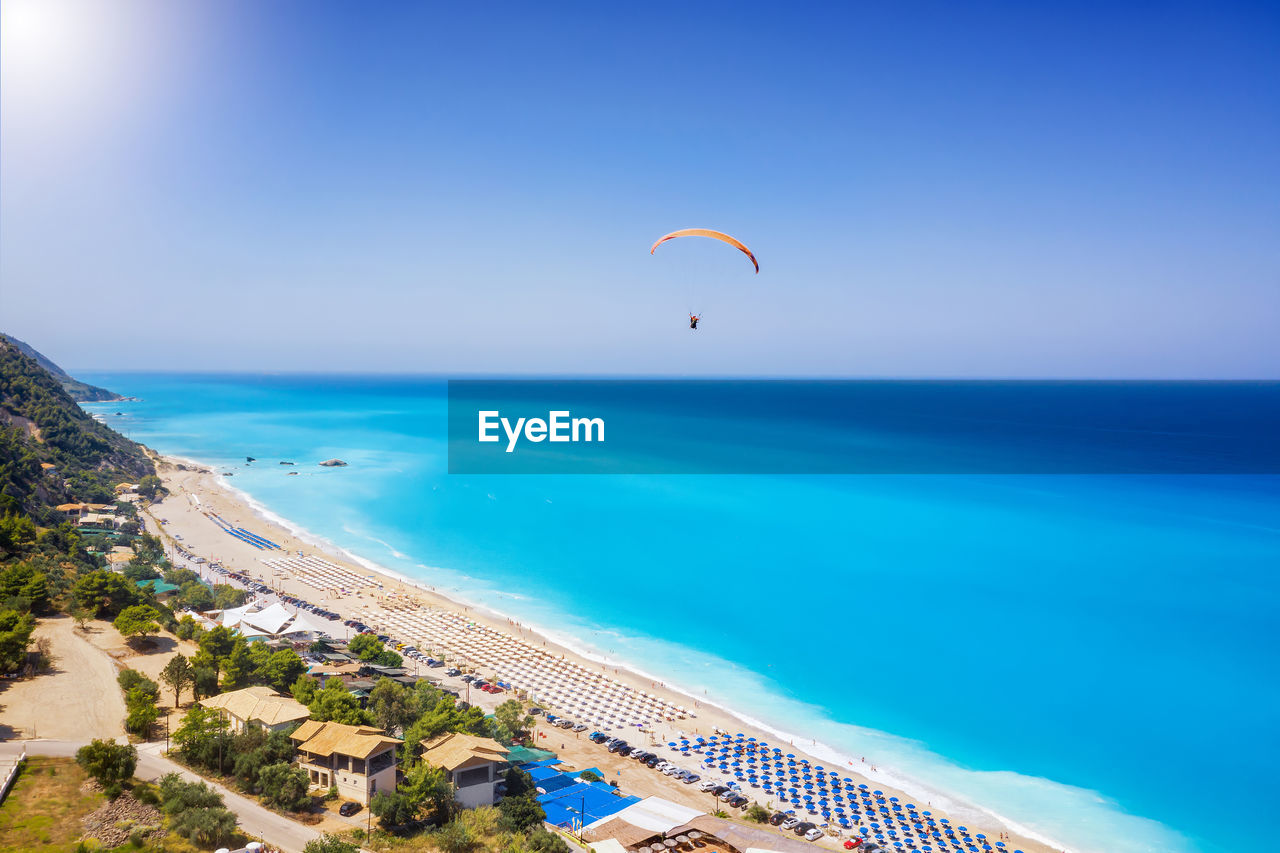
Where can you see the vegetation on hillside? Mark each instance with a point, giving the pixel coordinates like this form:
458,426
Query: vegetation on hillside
41,425
81,392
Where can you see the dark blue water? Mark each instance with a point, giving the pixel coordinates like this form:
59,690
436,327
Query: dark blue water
1091,656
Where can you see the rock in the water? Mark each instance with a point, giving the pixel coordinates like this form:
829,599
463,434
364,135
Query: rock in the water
250,459
334,463
286,463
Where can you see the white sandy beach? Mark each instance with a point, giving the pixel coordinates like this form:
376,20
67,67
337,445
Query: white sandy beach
495,644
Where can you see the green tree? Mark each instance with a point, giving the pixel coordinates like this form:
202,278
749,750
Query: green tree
137,621
16,531
430,791
254,749
329,843
334,702
139,570
304,689
15,636
204,680
588,776
178,675
110,763
284,786
104,593
236,667
392,809
197,738
226,596
521,813
150,486
520,807
281,670
195,595
392,704
186,629
23,583
217,643
365,646
142,712
512,721
130,679
756,813
207,827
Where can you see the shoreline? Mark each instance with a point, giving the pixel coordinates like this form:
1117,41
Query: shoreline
211,486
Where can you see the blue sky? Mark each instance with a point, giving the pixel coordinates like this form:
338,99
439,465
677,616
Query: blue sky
931,189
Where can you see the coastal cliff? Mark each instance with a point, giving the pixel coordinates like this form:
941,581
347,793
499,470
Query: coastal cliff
81,392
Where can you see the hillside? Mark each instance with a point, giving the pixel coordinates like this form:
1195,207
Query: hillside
51,450
81,392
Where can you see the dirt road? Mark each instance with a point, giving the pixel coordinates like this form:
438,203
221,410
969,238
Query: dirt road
79,700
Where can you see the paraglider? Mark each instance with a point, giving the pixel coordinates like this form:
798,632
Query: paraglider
714,235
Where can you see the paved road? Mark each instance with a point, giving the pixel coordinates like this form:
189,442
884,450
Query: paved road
288,835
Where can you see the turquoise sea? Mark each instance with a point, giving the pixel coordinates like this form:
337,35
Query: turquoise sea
1090,656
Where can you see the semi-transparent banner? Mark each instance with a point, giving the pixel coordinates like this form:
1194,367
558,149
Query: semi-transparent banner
558,426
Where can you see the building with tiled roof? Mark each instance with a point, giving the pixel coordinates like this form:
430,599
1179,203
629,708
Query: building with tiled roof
472,762
358,760
258,705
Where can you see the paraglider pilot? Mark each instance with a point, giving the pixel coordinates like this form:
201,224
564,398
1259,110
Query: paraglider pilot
693,321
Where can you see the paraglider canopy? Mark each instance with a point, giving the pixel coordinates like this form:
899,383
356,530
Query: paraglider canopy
714,235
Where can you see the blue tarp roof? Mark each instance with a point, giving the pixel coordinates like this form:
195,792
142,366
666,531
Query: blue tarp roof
582,801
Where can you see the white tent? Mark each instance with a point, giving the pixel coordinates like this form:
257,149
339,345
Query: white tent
231,617
305,623
270,620
655,814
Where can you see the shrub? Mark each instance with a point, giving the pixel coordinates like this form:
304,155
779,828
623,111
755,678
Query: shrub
109,763
284,786
329,843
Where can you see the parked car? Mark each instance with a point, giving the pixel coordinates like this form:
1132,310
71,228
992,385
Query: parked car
453,673
580,727
690,778
435,663
802,828
348,809
789,823
594,737
851,843
813,834
534,711
709,785
777,818
738,801
618,746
